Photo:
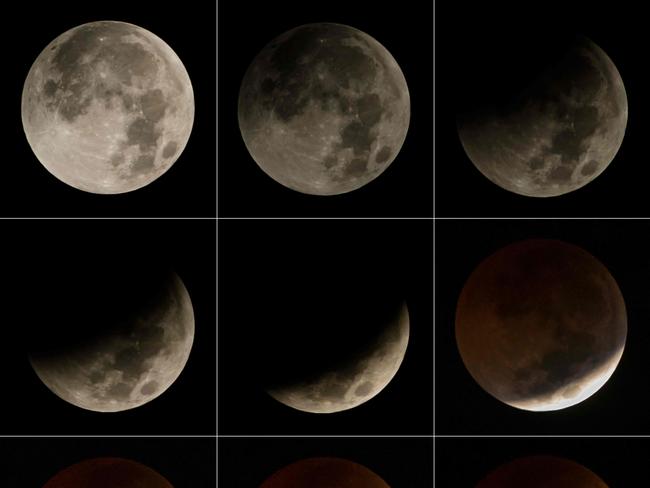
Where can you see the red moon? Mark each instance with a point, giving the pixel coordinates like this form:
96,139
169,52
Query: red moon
541,325
108,473
541,472
324,473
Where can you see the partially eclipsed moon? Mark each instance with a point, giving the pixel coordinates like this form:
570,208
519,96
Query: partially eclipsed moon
131,362
324,109
108,473
324,473
355,381
107,107
541,472
541,325
558,135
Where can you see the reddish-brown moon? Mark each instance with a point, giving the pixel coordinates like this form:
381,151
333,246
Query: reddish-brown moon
541,325
541,472
108,473
324,472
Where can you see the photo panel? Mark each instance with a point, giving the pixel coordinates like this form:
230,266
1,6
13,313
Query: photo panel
111,112
325,327
101,461
540,327
333,119
326,461
512,462
536,125
111,327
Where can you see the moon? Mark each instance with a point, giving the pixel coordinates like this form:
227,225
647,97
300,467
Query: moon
324,109
556,136
324,472
541,472
128,362
108,473
541,325
347,383
107,107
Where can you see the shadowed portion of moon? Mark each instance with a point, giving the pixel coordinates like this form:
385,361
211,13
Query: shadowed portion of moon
119,342
324,473
558,134
324,109
352,380
541,325
541,472
108,473
107,107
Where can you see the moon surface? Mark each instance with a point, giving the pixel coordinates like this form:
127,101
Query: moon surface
559,134
108,473
324,472
324,109
342,385
126,363
541,472
107,107
541,325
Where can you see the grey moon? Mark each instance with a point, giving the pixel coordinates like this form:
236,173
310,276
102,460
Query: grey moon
356,381
324,109
130,365
107,107
557,136
541,325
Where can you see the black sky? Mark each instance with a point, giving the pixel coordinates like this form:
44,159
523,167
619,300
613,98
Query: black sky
53,271
405,188
185,463
187,189
401,462
462,407
284,280
492,48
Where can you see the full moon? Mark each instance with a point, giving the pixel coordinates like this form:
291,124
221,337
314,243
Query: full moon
120,355
557,135
541,325
108,473
324,109
348,382
107,107
324,473
541,472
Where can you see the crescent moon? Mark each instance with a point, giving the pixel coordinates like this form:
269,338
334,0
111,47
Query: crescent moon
355,382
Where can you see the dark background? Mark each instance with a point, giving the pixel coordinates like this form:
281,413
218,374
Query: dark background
54,272
462,462
292,286
405,188
185,463
188,188
620,406
401,462
488,50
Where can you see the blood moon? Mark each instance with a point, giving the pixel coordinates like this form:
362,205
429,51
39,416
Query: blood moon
108,473
324,472
541,325
541,472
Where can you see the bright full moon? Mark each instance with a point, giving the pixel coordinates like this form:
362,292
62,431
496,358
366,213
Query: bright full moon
107,107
